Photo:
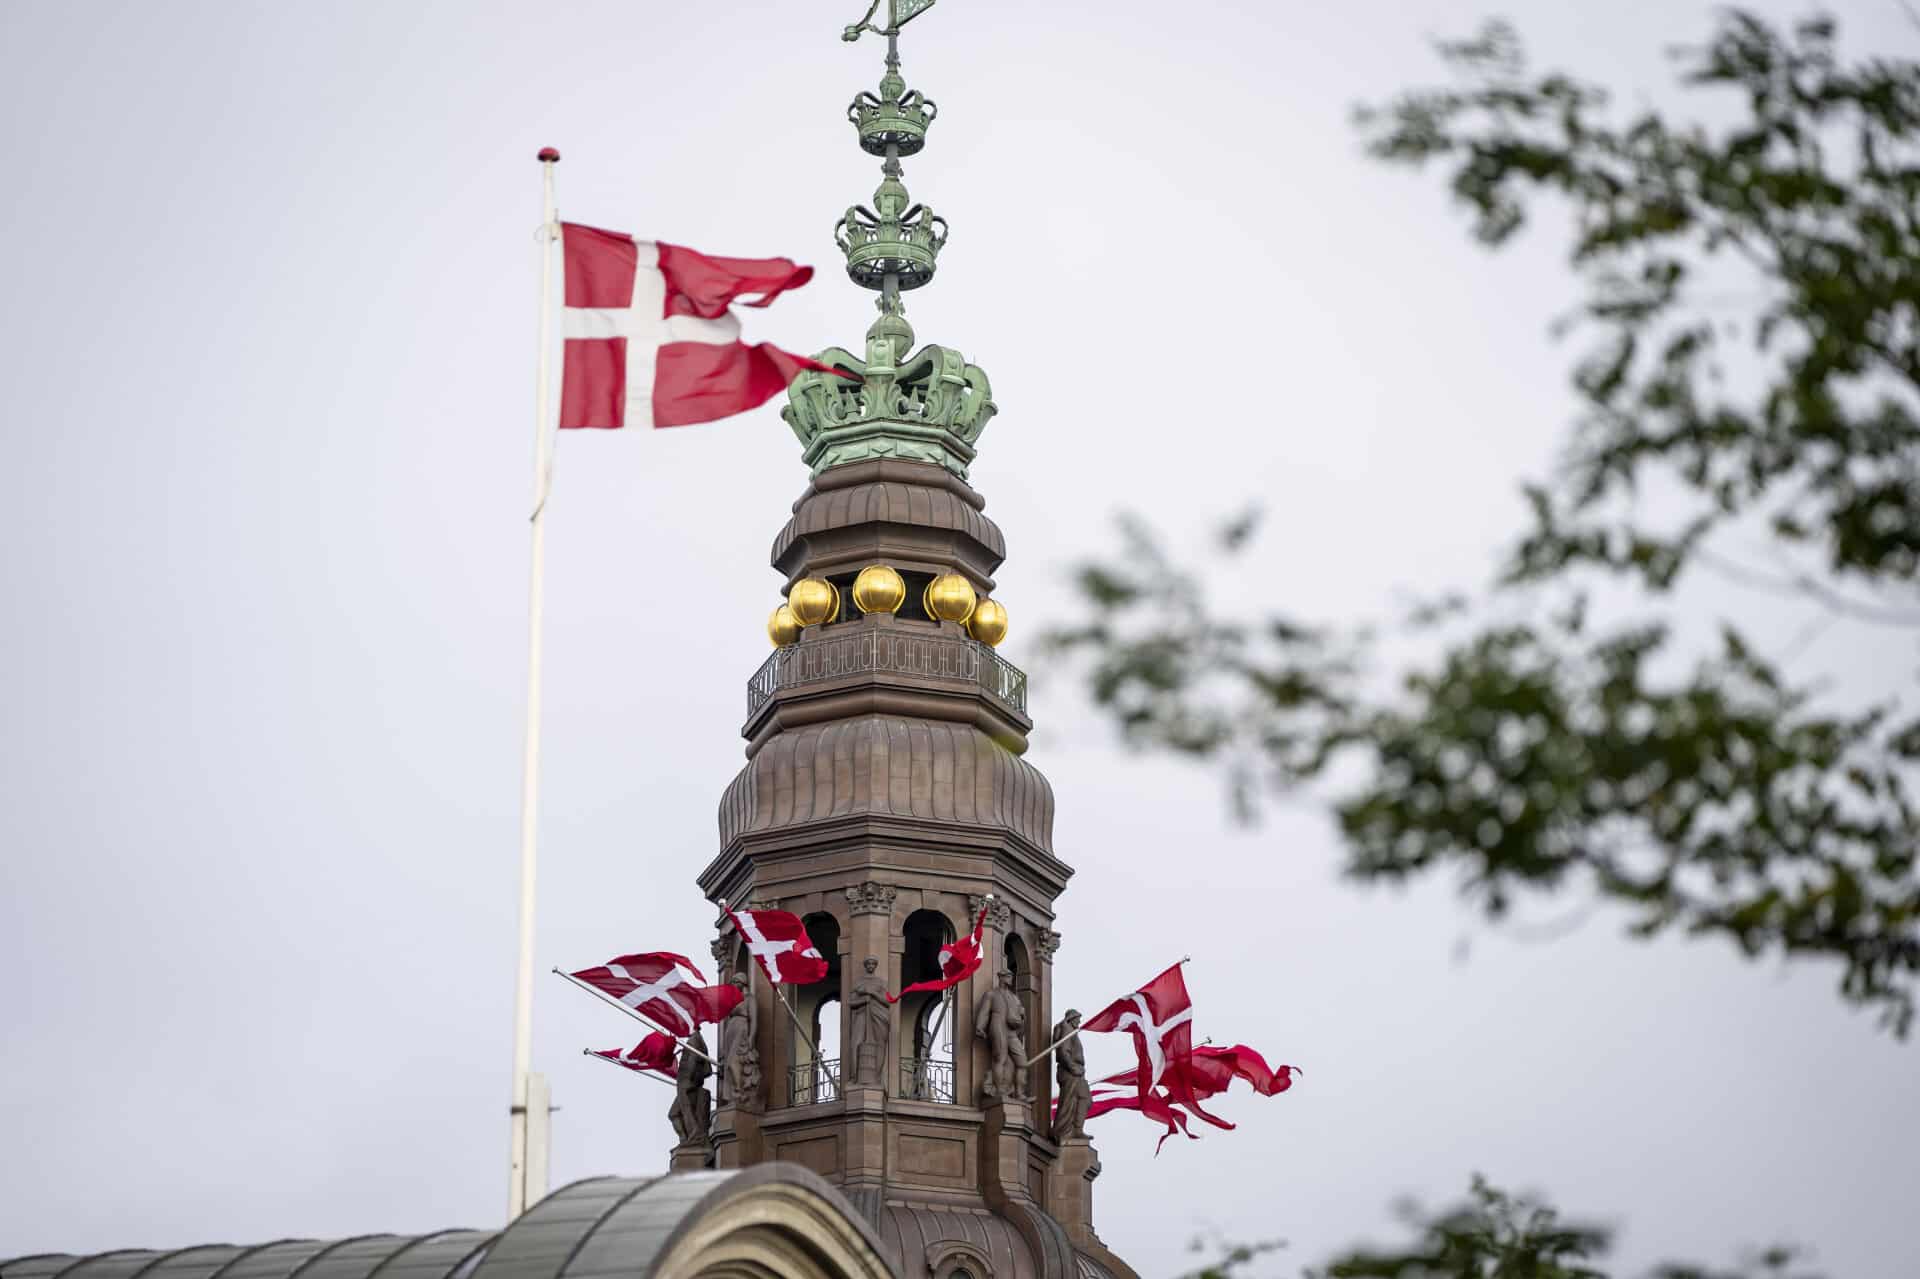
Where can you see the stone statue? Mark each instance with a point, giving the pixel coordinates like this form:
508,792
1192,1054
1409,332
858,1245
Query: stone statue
1001,1020
1070,1072
870,1026
739,1058
692,1112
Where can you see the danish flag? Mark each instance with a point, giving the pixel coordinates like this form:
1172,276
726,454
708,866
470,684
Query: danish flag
649,337
657,986
779,942
1156,1105
655,1052
959,960
1211,1070
1160,1017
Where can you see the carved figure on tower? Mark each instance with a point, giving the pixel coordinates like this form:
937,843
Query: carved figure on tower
1070,1073
692,1110
870,1028
740,1086
1001,1020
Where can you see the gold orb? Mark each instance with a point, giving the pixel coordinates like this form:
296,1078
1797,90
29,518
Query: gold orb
783,628
879,589
949,597
813,601
988,623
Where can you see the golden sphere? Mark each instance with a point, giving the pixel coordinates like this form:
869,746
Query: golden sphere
949,598
988,623
879,589
813,601
783,628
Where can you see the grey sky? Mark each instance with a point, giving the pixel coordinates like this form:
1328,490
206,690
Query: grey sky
267,320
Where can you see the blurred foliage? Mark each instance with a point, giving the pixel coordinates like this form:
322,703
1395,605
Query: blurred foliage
1752,295
1497,1235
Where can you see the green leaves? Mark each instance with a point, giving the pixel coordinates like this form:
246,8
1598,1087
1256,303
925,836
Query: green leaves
1498,1235
1811,196
1753,303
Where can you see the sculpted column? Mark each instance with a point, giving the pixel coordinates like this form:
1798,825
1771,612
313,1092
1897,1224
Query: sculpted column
867,1059
1046,944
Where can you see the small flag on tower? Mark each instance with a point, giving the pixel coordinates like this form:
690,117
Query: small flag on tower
1155,1105
959,960
779,942
655,1052
1160,1017
663,987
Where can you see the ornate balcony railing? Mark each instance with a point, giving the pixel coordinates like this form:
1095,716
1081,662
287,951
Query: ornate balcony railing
929,656
926,1079
814,1081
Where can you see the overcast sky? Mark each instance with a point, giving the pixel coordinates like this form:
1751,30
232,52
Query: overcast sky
267,326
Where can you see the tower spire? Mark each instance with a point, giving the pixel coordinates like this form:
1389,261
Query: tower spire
926,407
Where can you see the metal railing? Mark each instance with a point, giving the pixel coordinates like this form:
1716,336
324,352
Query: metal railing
814,1081
926,1079
928,656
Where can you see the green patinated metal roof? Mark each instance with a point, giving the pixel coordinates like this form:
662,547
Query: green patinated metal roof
930,406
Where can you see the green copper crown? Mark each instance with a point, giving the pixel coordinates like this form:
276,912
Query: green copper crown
927,407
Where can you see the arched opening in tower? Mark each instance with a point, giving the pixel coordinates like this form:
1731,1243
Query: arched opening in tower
926,1017
816,1068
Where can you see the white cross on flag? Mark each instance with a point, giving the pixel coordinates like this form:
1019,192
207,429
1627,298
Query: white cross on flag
1160,1017
650,338
657,985
779,941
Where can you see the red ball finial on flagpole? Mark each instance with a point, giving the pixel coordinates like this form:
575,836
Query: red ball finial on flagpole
549,156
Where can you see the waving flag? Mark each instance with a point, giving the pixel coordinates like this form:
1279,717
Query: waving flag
779,941
1160,1018
1214,1068
650,340
1211,1070
655,1052
959,960
1155,1105
663,987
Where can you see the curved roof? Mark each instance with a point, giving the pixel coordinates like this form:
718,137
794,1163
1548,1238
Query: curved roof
778,1216
887,765
890,502
435,1256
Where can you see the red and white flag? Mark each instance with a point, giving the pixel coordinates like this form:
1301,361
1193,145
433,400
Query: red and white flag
1215,1068
655,1052
1160,1017
1212,1070
650,340
1155,1105
663,987
959,960
779,942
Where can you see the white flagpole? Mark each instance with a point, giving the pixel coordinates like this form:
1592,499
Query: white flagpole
525,1156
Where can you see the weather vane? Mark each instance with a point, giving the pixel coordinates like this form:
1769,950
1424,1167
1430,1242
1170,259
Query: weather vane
899,13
